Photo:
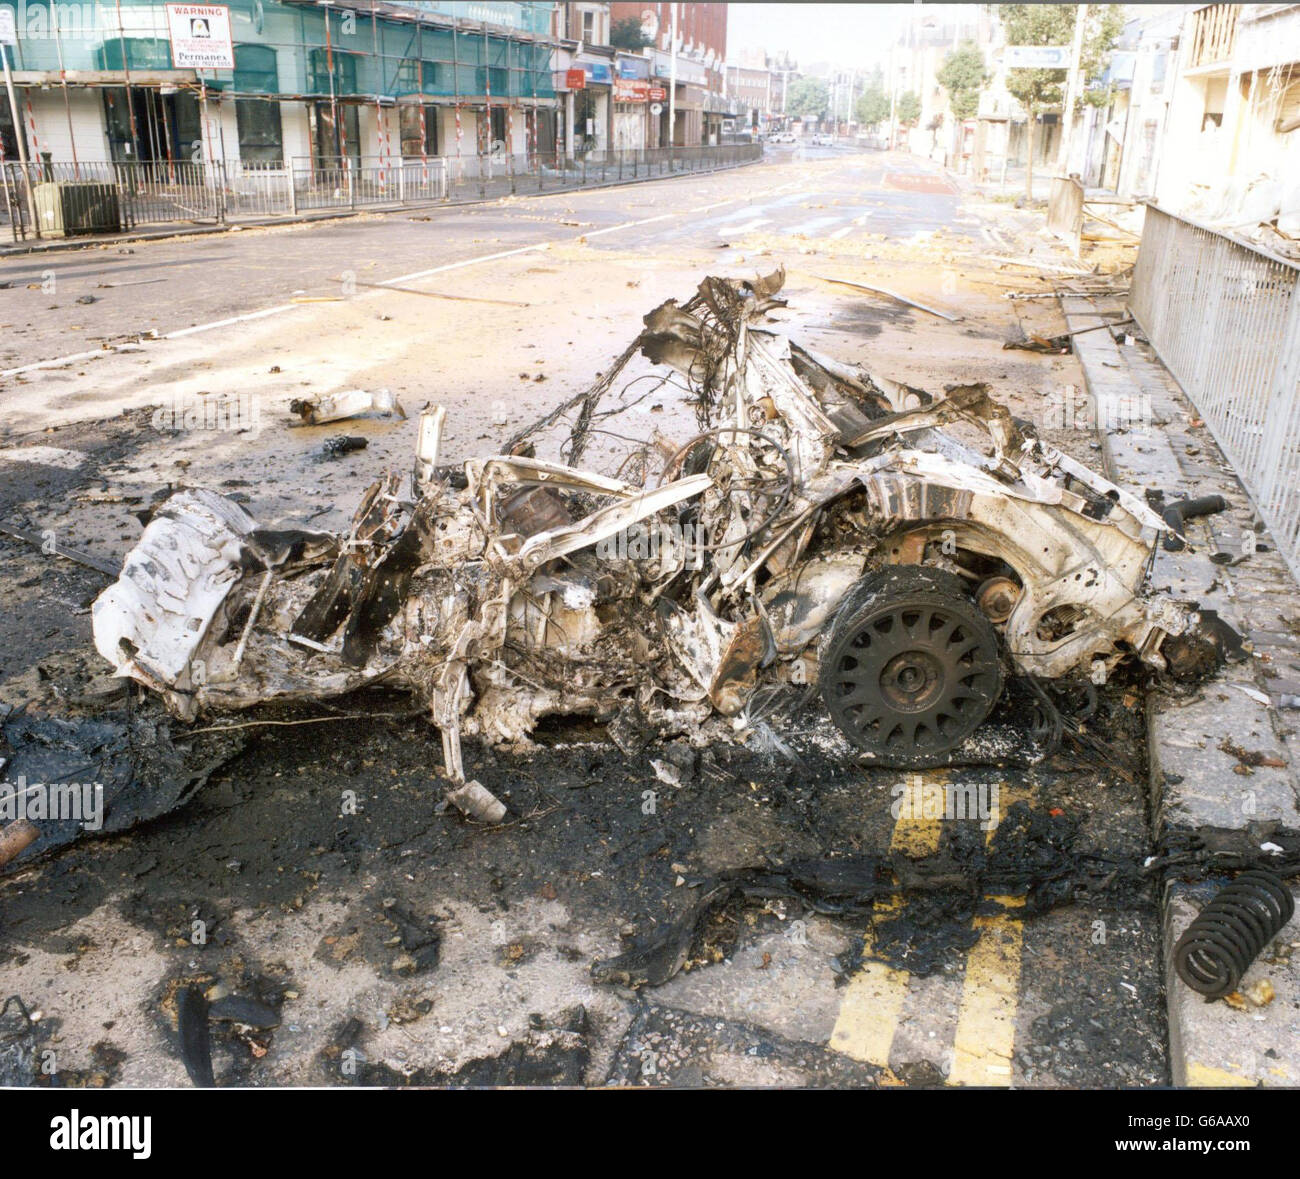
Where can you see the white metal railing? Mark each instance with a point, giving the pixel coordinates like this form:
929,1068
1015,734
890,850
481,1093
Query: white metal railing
74,198
1224,317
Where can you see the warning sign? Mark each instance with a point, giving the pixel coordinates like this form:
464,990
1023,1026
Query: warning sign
200,36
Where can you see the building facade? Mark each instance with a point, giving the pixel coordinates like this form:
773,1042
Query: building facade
348,80
699,103
1202,113
749,94
1229,148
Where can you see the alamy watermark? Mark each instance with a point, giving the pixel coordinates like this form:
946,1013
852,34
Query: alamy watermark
72,22
228,412
1072,409
78,802
916,799
654,540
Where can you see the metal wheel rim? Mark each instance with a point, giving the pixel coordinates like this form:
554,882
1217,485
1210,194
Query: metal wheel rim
913,679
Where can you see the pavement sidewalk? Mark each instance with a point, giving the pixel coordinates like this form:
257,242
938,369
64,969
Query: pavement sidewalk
1201,791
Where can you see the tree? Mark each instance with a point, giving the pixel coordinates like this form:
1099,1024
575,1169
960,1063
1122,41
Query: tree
628,34
1053,24
963,75
873,106
908,109
808,98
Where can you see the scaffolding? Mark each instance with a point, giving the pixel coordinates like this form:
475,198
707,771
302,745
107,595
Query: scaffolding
343,53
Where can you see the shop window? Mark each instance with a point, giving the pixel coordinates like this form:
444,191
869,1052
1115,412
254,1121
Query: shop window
336,132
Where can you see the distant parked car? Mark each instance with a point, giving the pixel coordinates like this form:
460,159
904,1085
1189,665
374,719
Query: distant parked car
824,140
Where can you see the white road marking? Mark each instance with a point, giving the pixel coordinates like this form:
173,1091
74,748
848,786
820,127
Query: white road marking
207,327
839,233
816,223
73,358
745,228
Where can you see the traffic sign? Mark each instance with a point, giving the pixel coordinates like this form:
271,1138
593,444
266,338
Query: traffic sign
1037,57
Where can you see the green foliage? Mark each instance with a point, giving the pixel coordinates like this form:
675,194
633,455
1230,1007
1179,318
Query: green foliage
627,34
808,98
908,110
963,75
873,106
1053,24
1096,54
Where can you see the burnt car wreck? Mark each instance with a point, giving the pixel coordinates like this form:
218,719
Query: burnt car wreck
780,526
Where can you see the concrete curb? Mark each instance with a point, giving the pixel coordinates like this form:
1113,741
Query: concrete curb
164,233
1199,787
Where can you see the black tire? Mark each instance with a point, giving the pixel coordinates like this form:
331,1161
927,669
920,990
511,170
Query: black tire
910,667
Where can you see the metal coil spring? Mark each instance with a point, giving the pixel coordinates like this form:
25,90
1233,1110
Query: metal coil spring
1217,948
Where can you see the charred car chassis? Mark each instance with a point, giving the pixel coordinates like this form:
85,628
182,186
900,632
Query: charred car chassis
816,525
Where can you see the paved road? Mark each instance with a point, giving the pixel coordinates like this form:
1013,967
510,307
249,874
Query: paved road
951,988
184,283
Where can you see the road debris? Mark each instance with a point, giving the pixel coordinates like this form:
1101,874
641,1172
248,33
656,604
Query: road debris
1249,758
387,286
1055,345
908,554
49,544
478,802
21,1035
934,898
73,778
335,407
16,838
342,444
1217,948
195,1037
862,286
1176,515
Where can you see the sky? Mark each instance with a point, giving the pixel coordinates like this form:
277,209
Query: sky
842,34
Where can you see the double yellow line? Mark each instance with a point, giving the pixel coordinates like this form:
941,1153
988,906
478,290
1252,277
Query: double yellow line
985,1032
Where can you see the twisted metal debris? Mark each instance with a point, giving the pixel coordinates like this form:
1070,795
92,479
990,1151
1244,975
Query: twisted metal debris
790,521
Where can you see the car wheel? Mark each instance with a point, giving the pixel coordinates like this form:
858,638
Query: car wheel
910,667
